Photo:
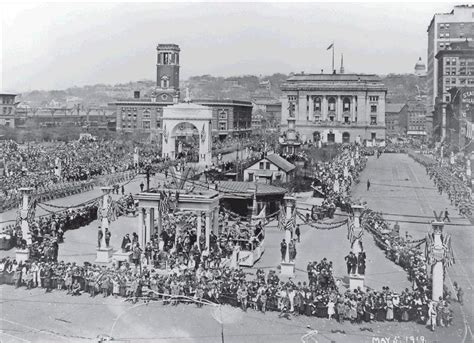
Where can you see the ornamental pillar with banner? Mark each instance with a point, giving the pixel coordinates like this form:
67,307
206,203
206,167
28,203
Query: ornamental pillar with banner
355,233
439,255
288,266
24,254
104,253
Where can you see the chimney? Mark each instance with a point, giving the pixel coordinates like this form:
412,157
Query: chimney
136,94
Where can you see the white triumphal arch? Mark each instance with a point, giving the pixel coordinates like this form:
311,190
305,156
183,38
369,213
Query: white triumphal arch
187,119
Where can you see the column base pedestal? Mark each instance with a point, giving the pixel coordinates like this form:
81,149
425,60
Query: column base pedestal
104,255
287,269
22,255
356,281
120,257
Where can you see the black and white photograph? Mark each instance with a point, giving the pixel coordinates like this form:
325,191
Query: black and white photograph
237,172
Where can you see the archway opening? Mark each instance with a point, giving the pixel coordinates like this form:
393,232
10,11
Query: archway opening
346,137
331,137
186,142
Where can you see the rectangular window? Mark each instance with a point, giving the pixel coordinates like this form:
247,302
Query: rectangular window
268,165
146,124
373,98
373,120
373,135
373,108
261,165
446,34
251,177
222,126
441,35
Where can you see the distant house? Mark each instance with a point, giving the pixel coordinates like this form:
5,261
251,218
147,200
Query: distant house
270,168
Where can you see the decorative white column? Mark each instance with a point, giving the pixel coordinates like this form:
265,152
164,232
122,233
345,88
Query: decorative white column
150,227
353,111
339,108
356,246
104,253
208,231
324,109
24,254
215,226
468,169
141,226
159,222
287,266
199,228
357,280
25,227
438,256
311,108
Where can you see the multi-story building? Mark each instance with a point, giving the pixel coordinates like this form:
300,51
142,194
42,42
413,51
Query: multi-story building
395,119
7,109
141,114
335,108
460,118
268,111
416,118
230,118
444,30
455,70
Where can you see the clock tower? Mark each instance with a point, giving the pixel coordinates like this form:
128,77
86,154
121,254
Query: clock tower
167,67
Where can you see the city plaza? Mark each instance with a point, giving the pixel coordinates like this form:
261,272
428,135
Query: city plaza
213,231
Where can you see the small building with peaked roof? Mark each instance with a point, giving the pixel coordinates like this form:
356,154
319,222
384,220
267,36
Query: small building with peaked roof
270,168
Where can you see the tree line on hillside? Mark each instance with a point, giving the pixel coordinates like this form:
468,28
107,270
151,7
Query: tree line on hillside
401,87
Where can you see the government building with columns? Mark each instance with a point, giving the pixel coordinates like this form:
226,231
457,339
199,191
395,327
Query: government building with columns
335,108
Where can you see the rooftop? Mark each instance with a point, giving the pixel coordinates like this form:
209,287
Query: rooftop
280,162
393,108
330,82
249,188
222,102
335,78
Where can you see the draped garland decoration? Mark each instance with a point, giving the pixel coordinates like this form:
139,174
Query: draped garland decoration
321,225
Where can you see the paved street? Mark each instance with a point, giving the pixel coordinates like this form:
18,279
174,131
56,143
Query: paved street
400,187
58,317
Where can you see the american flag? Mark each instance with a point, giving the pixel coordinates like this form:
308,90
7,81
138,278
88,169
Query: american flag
282,218
448,252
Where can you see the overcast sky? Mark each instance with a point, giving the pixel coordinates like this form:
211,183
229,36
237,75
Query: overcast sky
55,46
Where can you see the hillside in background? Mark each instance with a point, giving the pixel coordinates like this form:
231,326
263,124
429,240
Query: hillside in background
401,87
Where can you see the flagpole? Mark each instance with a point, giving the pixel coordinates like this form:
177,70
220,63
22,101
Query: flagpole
332,71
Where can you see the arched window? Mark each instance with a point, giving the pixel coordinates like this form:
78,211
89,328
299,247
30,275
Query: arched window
332,104
346,104
165,82
316,136
346,137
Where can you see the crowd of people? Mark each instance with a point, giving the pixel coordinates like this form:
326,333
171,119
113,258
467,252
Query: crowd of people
449,178
197,272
